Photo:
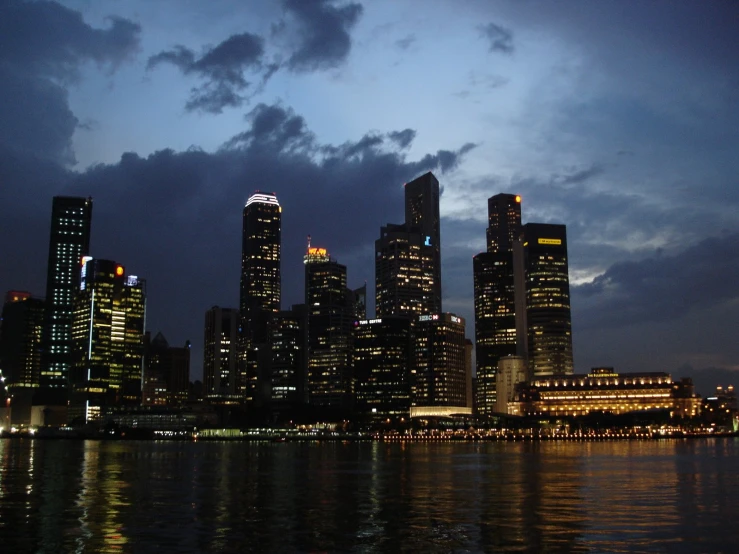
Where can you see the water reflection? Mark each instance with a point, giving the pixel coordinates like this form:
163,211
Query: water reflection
70,496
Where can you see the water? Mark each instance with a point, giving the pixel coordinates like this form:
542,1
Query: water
647,496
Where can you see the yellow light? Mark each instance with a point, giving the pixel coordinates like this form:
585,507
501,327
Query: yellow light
550,241
119,270
518,199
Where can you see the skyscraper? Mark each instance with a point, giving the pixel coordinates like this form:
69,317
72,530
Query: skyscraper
260,292
330,316
289,375
21,330
381,364
542,281
422,213
107,339
220,355
69,241
408,256
166,372
494,289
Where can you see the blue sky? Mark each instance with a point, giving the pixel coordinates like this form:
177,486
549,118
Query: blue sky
618,119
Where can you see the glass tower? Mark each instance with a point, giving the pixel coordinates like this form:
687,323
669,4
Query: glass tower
68,243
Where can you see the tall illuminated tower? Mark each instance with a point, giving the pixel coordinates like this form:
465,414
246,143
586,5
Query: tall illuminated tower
330,316
494,289
69,241
107,339
260,292
543,286
408,255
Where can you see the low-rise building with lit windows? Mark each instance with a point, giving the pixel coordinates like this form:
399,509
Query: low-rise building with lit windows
604,390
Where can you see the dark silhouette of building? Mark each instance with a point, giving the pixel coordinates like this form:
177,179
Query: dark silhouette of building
221,356
21,329
107,339
289,339
260,294
166,372
494,290
543,287
330,318
408,256
382,356
69,241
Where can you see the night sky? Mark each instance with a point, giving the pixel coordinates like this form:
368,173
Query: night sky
618,119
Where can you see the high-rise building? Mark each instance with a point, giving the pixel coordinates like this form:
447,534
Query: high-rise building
166,372
382,369
438,365
107,339
330,318
422,213
289,340
69,242
220,356
494,289
260,293
21,330
408,256
543,284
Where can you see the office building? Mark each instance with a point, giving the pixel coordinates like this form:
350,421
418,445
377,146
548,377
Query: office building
438,367
289,340
21,330
511,372
107,339
494,291
166,372
543,298
408,256
330,319
382,349
221,356
69,241
260,293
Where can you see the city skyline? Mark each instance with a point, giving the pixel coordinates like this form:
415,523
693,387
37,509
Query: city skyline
632,152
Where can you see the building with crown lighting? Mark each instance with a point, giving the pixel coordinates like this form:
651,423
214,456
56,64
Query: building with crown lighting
330,308
260,294
107,339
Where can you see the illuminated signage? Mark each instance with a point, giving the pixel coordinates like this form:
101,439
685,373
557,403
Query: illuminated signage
119,270
83,271
518,199
316,251
427,242
369,321
433,317
456,319
550,241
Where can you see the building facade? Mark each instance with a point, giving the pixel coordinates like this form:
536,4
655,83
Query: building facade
21,329
289,332
107,339
260,293
495,298
330,318
543,283
71,218
166,372
221,356
382,356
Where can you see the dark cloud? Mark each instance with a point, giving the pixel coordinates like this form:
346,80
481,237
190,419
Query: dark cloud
174,218
323,33
403,138
405,42
663,287
42,48
222,69
501,39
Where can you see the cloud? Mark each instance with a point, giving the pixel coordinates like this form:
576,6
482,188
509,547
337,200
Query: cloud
323,35
501,39
405,42
44,45
222,69
174,218
662,287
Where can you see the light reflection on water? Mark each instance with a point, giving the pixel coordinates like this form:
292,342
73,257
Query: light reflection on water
651,496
